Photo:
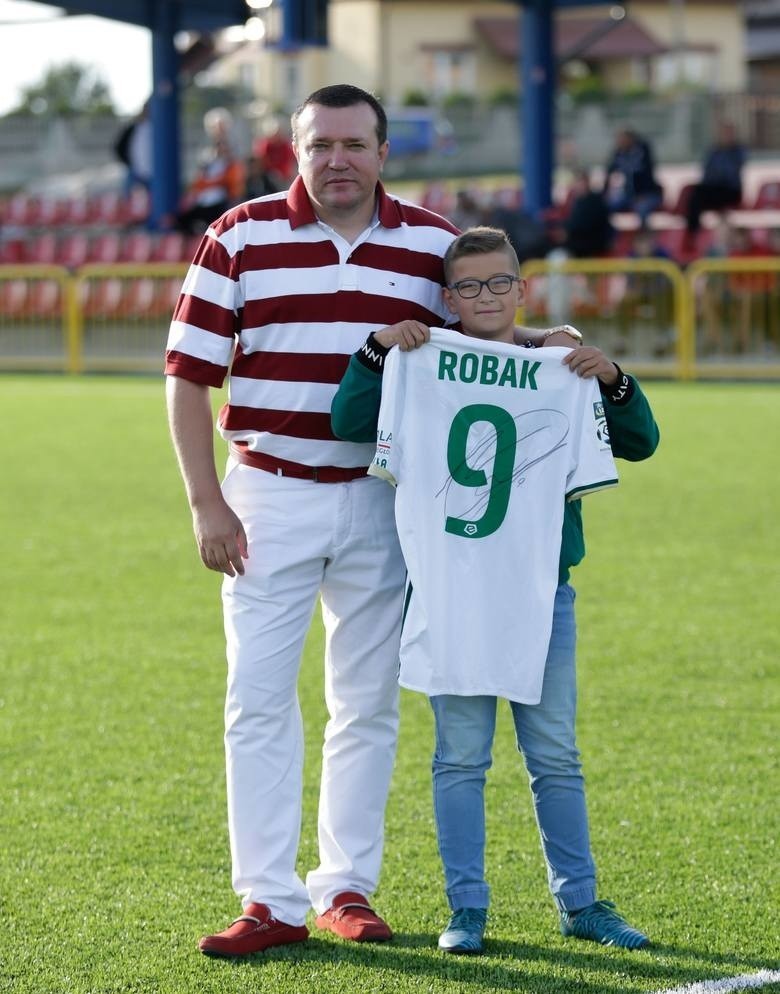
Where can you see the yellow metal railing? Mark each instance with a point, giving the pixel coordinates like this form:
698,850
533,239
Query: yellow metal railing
122,313
34,317
597,297
717,318
734,314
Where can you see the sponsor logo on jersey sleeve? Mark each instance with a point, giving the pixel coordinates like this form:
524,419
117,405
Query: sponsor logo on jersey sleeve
602,430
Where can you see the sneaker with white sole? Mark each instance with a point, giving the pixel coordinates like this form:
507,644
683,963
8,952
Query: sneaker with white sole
465,931
600,922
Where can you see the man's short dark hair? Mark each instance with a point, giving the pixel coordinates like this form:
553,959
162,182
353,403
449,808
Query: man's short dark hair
479,240
345,95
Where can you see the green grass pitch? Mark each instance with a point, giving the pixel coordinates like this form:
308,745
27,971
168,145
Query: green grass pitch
113,842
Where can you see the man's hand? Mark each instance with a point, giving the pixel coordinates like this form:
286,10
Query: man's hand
407,335
221,538
562,339
587,361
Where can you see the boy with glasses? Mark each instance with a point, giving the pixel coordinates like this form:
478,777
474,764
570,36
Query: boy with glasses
483,291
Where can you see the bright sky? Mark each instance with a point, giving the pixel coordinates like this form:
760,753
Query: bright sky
34,38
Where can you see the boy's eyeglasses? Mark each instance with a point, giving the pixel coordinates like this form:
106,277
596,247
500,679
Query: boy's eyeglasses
473,288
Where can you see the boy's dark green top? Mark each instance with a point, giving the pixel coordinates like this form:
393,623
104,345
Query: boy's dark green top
633,433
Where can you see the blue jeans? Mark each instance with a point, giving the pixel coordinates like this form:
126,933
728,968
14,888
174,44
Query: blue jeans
642,204
546,737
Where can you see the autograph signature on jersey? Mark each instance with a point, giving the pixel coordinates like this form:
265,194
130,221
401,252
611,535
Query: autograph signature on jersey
540,434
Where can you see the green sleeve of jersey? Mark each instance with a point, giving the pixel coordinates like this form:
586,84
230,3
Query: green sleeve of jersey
633,435
355,408
633,432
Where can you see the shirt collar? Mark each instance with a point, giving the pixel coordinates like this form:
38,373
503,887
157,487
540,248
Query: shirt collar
301,211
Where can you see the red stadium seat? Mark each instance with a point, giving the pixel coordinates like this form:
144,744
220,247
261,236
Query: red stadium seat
622,243
50,212
78,211
113,209
140,297
108,209
12,251
682,248
41,249
136,247
13,298
166,296
438,198
103,297
138,206
680,205
768,196
20,211
148,297
169,247
73,250
105,248
560,210
44,299
191,247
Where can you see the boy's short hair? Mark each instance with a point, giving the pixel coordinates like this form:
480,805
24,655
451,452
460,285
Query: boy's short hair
479,241
345,95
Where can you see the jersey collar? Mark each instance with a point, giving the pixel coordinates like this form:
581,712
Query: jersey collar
300,209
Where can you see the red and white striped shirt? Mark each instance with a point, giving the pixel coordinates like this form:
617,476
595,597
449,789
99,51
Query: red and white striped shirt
287,300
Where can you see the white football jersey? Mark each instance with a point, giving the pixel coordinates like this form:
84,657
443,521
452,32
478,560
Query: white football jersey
484,441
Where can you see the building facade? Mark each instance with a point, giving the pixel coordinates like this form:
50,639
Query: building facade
449,50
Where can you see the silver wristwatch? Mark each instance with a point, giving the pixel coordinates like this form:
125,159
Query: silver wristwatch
566,329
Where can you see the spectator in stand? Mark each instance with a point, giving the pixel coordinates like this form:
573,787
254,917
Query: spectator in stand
646,309
588,230
713,290
630,183
466,213
586,233
133,147
645,245
258,182
221,178
721,182
274,157
527,235
752,292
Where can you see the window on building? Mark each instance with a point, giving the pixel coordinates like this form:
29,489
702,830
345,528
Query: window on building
450,70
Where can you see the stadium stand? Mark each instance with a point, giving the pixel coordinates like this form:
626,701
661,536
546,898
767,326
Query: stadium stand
72,250
768,196
76,247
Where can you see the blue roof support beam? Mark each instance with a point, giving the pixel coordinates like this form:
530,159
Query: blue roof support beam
304,22
164,18
538,114
165,117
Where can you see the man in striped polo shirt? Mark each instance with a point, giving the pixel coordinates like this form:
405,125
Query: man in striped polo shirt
282,291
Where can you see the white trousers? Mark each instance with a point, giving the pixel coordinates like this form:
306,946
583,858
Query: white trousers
305,538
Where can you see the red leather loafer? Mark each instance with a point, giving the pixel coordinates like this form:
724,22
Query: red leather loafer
254,931
352,917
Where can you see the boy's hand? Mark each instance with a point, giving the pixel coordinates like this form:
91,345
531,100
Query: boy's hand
587,361
407,335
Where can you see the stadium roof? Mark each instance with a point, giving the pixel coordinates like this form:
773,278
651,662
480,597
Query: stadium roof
187,15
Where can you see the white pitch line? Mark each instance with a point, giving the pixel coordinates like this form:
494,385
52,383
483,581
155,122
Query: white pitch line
727,983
